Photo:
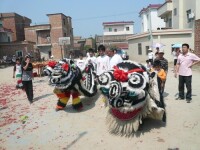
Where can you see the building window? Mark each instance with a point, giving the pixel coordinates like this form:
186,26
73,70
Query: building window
110,29
127,28
19,53
170,22
65,34
1,23
175,11
8,39
139,49
64,21
189,18
115,30
147,50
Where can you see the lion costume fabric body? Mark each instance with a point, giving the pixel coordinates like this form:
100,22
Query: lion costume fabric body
69,81
132,94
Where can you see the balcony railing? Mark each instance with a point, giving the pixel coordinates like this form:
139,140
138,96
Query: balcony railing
165,9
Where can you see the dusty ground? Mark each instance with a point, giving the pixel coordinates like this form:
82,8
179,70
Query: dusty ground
46,129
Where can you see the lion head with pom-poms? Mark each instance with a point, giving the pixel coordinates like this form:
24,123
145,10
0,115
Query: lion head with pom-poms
131,93
66,75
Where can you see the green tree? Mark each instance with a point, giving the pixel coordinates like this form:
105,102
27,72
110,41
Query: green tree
86,47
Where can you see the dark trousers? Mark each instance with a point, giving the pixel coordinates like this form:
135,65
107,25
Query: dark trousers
28,87
182,81
151,61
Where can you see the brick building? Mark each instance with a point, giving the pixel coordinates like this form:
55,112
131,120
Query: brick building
197,37
46,36
17,48
16,23
12,37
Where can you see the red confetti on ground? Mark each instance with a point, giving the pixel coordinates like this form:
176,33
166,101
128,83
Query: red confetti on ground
7,121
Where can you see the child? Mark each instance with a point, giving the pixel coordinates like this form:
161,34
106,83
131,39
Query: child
161,83
148,65
17,70
161,75
102,61
80,62
91,59
17,73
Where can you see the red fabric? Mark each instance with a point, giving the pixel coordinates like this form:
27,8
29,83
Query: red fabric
52,64
67,93
19,81
65,67
125,116
122,76
75,94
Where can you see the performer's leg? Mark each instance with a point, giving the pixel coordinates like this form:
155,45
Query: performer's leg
76,102
188,82
181,86
63,98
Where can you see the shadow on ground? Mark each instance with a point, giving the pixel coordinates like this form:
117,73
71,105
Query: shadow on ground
40,97
88,103
74,141
165,94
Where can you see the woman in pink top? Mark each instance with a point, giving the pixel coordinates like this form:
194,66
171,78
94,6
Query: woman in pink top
184,64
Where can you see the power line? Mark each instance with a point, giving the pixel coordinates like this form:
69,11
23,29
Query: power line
98,17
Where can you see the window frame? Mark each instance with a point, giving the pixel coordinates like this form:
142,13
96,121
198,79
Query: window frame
139,48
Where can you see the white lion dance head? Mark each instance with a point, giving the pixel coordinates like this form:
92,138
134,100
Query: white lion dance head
131,94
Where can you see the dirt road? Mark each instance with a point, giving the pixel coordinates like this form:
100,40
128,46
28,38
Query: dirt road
39,126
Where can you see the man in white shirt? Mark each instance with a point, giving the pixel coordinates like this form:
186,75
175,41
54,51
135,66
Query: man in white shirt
150,56
114,58
80,62
91,59
102,61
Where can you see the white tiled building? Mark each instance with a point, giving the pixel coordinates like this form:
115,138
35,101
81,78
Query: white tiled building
149,18
179,18
118,28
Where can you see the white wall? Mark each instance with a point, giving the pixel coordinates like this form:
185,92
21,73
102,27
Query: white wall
197,13
180,21
152,18
144,22
186,6
156,22
168,40
121,29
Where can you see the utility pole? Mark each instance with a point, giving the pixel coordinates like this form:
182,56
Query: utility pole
150,29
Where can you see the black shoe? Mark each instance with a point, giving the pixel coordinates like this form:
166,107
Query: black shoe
179,98
188,100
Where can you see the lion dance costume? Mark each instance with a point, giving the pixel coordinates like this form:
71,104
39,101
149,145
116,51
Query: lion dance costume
132,95
69,81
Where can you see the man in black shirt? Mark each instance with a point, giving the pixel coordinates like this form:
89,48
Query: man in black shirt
27,73
164,62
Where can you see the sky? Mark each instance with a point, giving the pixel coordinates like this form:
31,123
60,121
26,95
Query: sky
87,15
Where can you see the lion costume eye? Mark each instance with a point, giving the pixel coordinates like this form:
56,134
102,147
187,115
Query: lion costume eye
117,103
137,81
115,89
105,78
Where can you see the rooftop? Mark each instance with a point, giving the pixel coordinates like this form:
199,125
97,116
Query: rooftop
12,14
118,23
151,6
58,14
